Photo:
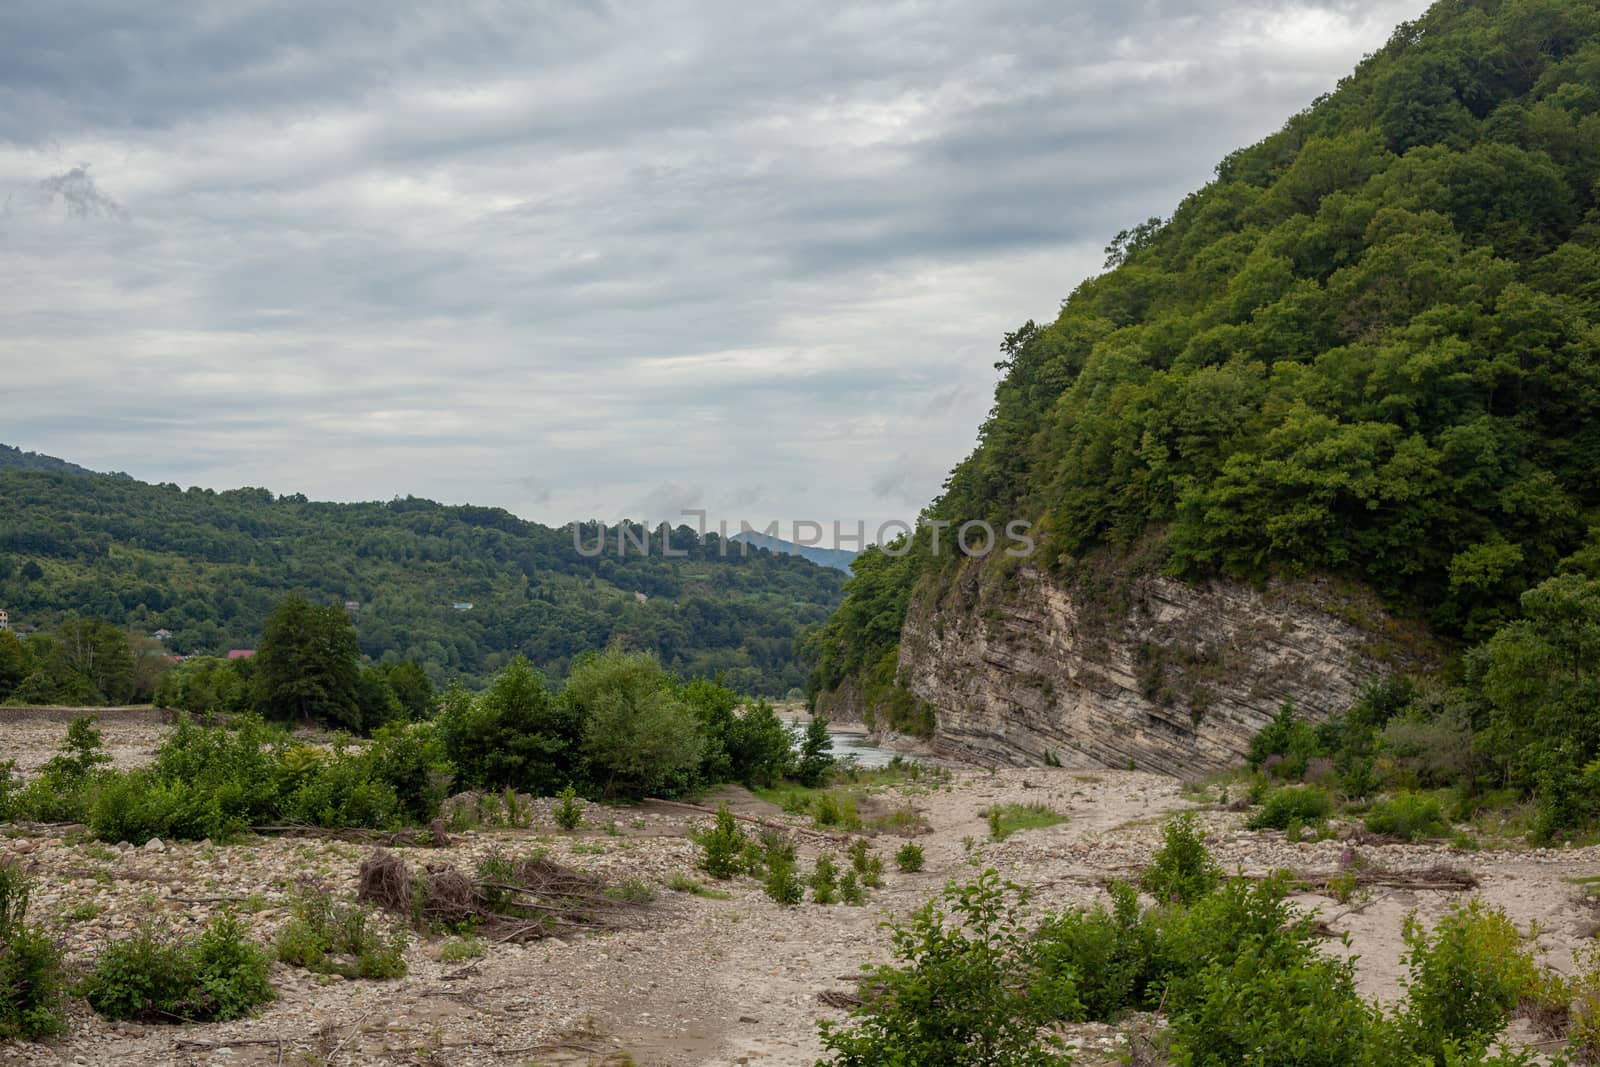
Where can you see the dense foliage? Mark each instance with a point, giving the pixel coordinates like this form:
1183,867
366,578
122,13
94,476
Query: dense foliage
1518,723
623,727
1370,346
210,567
1234,972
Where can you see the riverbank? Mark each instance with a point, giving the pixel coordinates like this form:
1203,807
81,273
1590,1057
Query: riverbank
697,980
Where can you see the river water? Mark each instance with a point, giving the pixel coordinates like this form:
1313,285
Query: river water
853,743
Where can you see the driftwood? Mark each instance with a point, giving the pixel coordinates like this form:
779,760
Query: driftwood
418,837
1437,878
529,900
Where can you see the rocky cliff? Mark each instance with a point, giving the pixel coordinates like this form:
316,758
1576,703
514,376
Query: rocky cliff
1148,672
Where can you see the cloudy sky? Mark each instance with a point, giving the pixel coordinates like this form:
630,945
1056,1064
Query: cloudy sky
587,258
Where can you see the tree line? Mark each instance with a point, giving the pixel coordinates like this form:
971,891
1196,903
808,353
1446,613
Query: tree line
210,567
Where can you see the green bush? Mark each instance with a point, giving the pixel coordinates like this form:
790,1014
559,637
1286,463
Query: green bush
30,966
866,864
1258,1008
333,938
1288,742
1182,870
830,810
722,846
782,883
1414,816
1464,980
1106,957
163,978
825,879
777,859
10,786
850,890
569,813
1292,805
964,992
909,858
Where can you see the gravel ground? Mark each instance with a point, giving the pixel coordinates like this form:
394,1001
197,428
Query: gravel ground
694,980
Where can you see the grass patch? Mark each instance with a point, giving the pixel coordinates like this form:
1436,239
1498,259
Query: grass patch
1007,819
682,883
461,948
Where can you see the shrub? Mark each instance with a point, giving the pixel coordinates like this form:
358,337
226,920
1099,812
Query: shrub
569,813
722,846
965,992
161,978
777,859
1292,805
1182,869
1106,956
30,966
10,785
1287,742
909,858
1464,980
1414,816
850,891
865,864
824,879
829,810
1302,1011
332,938
781,883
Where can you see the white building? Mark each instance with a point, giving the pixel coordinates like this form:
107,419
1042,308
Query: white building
5,619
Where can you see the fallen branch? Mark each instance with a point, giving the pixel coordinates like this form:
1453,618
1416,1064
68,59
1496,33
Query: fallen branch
413,838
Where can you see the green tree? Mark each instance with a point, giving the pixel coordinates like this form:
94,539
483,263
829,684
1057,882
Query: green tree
13,663
411,687
515,734
99,653
638,737
816,753
308,664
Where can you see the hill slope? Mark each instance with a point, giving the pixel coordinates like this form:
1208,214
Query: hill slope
1368,350
460,589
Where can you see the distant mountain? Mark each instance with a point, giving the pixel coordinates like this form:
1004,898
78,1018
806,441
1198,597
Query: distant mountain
459,589
16,459
837,558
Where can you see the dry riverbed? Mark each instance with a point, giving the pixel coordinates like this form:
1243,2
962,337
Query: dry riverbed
691,980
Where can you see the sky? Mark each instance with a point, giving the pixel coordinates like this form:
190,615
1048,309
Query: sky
589,260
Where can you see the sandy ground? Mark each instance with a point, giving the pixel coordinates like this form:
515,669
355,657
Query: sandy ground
694,980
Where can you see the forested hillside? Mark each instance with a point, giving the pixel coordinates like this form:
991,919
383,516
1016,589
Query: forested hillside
461,590
1368,348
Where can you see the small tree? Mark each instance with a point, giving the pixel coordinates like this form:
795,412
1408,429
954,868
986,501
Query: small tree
816,753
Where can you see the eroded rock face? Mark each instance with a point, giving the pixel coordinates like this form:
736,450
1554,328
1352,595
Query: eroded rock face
1154,673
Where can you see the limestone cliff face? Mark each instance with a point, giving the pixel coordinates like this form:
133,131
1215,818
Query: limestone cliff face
1165,675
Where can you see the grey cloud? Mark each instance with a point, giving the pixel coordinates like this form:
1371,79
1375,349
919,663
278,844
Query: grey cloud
83,199
648,251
